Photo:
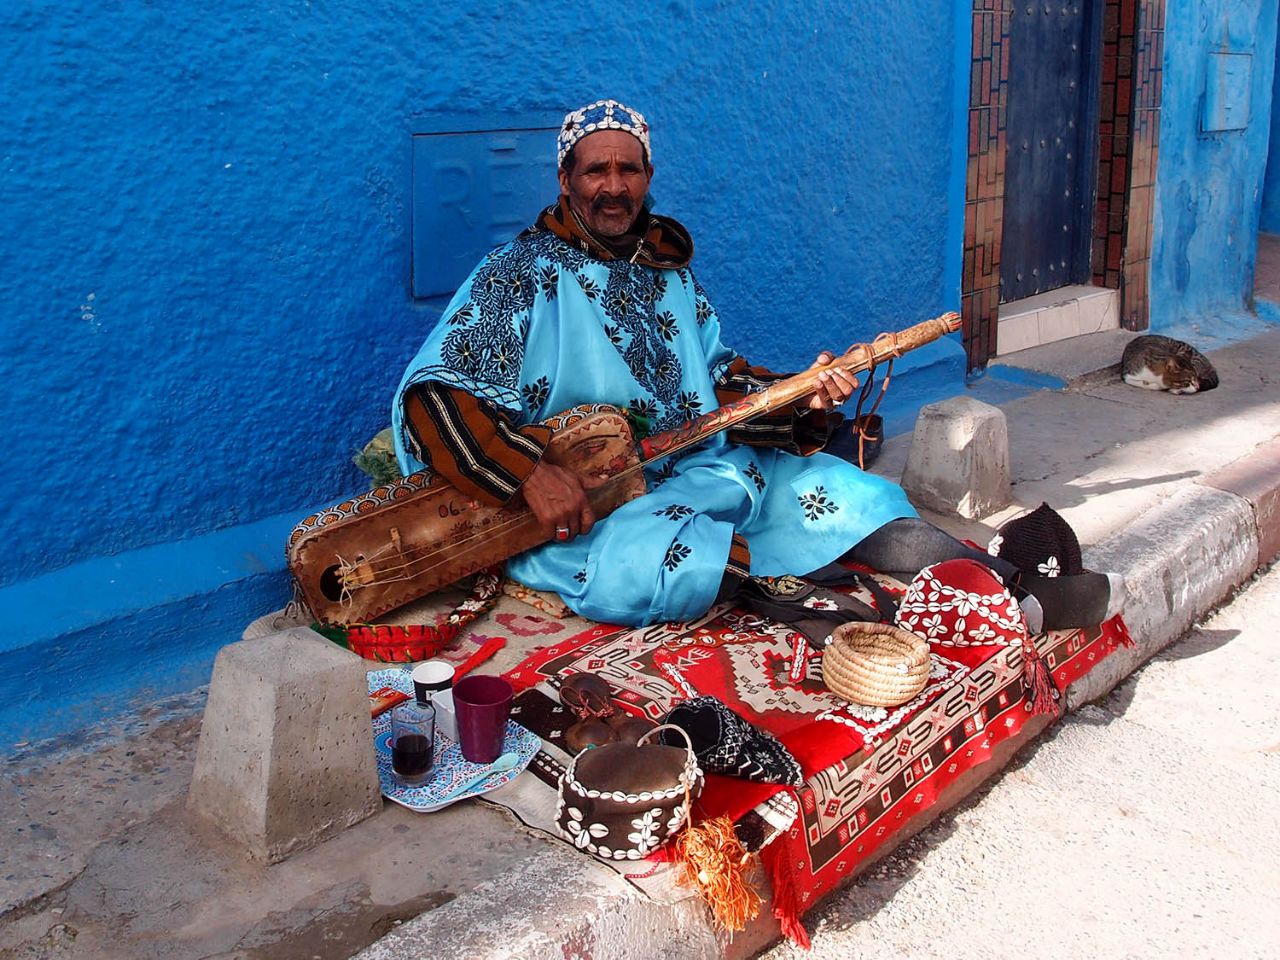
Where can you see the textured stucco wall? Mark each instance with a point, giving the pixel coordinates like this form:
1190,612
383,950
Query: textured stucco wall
1209,189
206,248
1270,219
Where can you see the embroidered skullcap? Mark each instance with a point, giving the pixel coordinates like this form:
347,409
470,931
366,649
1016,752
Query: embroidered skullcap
1039,542
601,115
961,603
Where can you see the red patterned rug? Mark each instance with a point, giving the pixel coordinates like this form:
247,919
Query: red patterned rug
867,770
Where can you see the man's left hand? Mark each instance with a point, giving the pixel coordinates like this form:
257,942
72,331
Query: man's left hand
834,386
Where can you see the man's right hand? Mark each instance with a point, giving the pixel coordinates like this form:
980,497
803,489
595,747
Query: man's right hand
558,500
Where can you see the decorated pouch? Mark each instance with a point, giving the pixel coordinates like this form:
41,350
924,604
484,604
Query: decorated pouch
622,801
726,743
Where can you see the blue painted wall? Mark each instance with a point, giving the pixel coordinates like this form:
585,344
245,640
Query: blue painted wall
1209,189
206,255
1270,219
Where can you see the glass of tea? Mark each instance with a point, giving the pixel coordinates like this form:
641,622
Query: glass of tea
413,740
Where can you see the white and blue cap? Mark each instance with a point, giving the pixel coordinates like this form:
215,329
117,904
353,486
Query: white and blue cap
601,115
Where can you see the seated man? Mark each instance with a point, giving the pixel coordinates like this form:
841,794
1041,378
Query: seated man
596,303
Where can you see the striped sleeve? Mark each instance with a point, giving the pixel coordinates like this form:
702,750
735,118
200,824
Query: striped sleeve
797,431
470,443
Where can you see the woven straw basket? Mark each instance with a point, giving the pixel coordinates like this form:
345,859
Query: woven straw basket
875,664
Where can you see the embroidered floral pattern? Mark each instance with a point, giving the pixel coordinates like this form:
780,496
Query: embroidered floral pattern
589,287
581,576
676,555
486,342
664,473
620,302
645,409
753,472
666,323
689,404
674,511
548,278
703,312
535,394
463,315
629,305
701,305
817,504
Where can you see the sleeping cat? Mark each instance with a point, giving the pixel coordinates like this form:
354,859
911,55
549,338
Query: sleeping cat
1162,363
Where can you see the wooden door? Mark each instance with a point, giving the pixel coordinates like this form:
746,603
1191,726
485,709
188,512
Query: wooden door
1050,146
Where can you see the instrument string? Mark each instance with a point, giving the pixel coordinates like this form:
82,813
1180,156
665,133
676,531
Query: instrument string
387,573
408,571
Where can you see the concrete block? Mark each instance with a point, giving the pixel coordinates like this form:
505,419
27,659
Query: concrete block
1180,559
959,459
286,757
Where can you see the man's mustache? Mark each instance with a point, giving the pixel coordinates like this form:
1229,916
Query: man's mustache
603,200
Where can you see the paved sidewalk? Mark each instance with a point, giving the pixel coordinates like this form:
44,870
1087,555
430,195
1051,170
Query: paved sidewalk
1177,493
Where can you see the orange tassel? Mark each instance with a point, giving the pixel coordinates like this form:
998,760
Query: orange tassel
719,866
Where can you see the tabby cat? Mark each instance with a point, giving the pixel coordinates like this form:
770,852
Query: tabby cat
1162,363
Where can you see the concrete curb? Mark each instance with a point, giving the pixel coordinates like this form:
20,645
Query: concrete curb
1256,478
1180,559
557,905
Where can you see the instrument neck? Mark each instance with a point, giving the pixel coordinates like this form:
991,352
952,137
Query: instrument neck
858,358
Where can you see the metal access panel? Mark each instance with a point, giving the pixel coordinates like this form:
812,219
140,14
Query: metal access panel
1050,146
471,192
1227,81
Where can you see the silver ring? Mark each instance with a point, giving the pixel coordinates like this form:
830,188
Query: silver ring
562,533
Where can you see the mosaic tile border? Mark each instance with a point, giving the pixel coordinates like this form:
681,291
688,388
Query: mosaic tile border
984,181
1128,153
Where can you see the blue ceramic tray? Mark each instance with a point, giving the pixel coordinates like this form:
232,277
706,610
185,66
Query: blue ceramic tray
450,769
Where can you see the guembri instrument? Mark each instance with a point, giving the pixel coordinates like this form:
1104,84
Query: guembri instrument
371,554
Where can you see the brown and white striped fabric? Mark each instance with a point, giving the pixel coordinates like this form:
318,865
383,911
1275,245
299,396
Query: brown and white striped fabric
471,443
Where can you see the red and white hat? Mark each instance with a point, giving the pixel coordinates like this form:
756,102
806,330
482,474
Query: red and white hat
961,603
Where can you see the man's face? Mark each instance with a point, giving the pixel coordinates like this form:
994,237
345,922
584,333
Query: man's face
609,181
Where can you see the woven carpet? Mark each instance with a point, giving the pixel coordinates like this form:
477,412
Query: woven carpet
868,771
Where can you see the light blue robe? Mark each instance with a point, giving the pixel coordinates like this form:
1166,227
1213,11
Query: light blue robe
540,327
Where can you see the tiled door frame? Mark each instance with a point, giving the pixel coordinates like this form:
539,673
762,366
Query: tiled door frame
1128,143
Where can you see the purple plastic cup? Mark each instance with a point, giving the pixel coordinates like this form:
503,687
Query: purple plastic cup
482,705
